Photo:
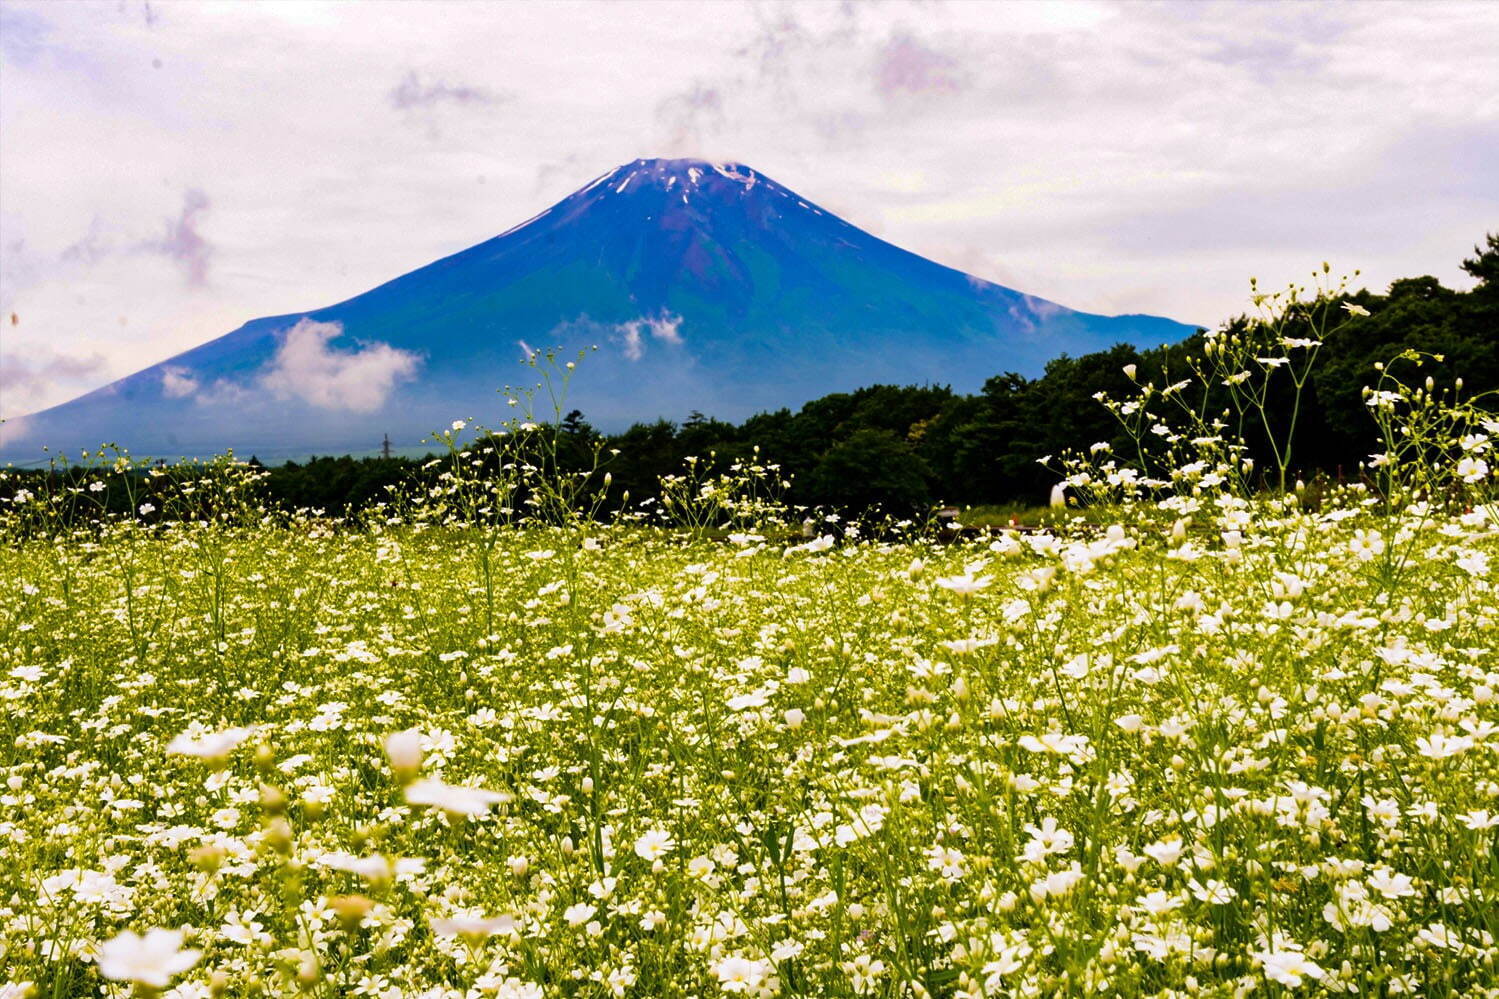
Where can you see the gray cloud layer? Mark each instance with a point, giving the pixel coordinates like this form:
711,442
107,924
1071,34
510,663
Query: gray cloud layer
1112,156
411,92
183,243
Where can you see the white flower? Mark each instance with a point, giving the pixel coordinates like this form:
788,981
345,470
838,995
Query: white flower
654,845
214,746
1438,746
739,974
1166,853
374,868
1478,820
152,960
1212,891
946,861
404,749
468,925
454,800
1471,469
754,699
1074,747
577,915
1392,885
1046,839
786,950
965,585
1056,883
1474,563
1288,967
1367,545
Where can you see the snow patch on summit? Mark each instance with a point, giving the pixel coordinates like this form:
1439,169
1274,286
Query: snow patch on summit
731,171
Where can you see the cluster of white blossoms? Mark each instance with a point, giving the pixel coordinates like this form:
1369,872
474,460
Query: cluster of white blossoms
1223,747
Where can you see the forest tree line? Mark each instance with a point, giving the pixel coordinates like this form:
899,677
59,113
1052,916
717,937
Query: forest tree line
907,447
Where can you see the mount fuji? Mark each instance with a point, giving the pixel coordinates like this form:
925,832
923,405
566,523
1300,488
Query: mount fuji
705,287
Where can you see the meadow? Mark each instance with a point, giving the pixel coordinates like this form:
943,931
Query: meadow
1205,739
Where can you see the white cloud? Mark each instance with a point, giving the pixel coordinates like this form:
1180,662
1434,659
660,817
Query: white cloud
666,327
177,383
630,341
307,369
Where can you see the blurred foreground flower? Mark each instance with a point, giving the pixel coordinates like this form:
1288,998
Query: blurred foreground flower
151,960
213,746
452,799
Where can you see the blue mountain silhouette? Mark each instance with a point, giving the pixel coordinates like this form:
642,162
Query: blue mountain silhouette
705,287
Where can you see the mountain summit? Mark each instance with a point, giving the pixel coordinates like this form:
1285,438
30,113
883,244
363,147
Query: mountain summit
706,286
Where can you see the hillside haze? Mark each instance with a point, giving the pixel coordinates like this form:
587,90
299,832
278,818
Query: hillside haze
705,287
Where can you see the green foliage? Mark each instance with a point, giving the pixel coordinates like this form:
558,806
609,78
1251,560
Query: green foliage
872,466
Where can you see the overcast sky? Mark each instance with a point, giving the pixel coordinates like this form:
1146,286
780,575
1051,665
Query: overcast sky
170,170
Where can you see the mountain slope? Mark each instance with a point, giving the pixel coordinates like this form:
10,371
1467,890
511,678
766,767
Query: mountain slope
707,287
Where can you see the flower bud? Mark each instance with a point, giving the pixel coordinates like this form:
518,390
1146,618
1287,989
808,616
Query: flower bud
272,800
278,835
207,857
308,971
404,749
350,910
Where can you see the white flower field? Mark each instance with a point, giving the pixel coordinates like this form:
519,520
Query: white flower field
1210,742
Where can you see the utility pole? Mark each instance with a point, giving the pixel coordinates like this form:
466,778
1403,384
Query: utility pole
385,447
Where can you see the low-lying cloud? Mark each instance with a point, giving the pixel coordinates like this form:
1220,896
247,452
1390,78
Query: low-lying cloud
306,368
631,336
178,383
